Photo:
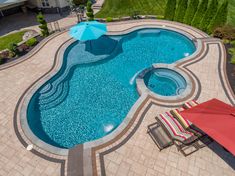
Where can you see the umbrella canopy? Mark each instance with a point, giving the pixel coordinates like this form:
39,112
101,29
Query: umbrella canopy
90,30
215,118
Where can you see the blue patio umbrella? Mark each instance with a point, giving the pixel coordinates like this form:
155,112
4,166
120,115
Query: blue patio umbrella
90,30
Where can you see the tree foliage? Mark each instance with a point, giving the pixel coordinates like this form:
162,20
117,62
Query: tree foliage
79,2
89,12
170,9
199,14
210,13
43,25
180,11
220,18
191,10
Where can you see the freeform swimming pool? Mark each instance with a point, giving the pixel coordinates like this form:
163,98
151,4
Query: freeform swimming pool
95,88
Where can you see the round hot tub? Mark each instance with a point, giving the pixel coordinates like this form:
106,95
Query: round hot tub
165,82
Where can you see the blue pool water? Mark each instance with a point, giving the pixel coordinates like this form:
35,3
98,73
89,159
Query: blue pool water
165,82
95,88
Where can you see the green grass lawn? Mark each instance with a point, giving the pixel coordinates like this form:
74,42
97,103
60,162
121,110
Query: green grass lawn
11,38
120,8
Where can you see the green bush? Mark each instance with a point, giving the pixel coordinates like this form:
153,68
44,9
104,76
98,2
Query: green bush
180,11
160,17
225,32
90,12
233,60
109,19
31,42
170,9
210,13
233,43
13,48
79,2
220,18
43,25
199,14
191,10
231,51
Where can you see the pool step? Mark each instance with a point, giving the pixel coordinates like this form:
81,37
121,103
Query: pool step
56,98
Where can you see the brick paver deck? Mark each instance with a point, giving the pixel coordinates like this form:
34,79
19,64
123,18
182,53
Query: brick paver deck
135,156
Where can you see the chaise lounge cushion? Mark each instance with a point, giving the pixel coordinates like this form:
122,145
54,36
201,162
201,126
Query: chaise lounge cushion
190,104
174,128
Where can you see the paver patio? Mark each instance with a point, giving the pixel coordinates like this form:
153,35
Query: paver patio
136,156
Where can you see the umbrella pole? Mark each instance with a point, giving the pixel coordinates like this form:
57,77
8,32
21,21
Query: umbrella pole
90,45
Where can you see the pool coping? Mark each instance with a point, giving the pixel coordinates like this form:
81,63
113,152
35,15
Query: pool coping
142,88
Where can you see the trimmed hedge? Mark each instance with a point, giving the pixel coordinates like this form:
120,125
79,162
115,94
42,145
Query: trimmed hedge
191,10
199,14
170,9
31,42
90,12
220,18
210,13
43,26
180,11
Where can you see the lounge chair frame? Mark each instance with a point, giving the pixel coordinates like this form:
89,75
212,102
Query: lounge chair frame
181,146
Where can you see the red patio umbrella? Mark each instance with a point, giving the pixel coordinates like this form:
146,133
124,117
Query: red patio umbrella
217,119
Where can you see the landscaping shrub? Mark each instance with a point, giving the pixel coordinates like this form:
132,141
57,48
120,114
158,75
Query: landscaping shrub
191,10
160,17
220,18
79,2
23,48
210,13
225,32
180,11
43,26
199,14
134,15
5,55
13,48
31,42
170,9
109,19
233,43
90,12
232,52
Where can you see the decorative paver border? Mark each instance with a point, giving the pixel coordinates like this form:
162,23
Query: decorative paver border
129,123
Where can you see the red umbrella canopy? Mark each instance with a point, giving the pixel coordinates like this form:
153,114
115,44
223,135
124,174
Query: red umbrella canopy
215,118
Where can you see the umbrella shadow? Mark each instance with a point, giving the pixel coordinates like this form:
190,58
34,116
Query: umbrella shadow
222,153
104,45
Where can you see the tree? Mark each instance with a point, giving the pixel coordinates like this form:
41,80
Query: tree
180,11
210,13
43,26
89,12
220,18
170,9
191,10
199,14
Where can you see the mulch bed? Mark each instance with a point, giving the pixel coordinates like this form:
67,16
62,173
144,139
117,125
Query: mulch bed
7,60
230,69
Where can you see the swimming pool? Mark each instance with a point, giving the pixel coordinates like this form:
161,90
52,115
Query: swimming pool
95,88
